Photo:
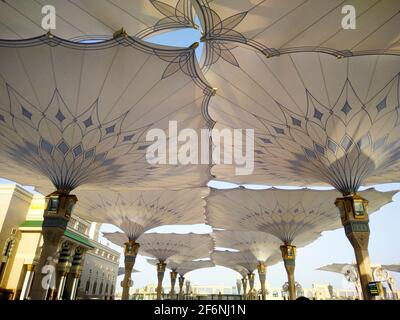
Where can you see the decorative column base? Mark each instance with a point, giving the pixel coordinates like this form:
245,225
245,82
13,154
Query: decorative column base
173,275
354,216
262,272
160,275
56,217
289,260
251,295
131,251
181,281
244,285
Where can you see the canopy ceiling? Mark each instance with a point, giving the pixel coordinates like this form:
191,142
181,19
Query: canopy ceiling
189,266
169,246
78,114
94,19
244,261
293,216
135,212
337,267
121,271
316,119
184,266
275,27
392,267
262,245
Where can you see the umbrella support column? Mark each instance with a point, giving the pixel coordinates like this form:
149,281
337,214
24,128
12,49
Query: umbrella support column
131,251
354,216
262,271
181,281
173,275
160,275
250,295
244,285
56,217
289,259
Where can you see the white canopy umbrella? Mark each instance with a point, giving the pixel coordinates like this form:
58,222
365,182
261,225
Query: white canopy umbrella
264,246
181,268
168,247
296,217
135,212
78,114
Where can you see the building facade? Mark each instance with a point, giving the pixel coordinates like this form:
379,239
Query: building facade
80,253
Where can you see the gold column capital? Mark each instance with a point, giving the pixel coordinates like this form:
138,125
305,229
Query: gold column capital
131,248
173,275
161,266
352,207
262,268
30,267
288,252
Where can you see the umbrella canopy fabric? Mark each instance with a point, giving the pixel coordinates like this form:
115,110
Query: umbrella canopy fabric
392,267
293,216
135,212
277,27
243,262
165,246
79,114
78,20
185,267
317,120
261,244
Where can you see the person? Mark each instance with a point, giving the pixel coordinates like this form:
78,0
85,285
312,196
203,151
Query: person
302,298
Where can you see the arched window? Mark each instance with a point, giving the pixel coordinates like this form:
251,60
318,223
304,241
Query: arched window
101,288
94,287
112,290
87,288
106,292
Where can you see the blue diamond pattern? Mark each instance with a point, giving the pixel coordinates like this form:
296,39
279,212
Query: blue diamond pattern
60,117
89,153
346,143
47,146
346,108
110,129
296,122
279,130
332,145
310,153
265,140
88,122
129,137
26,113
381,105
63,147
318,114
320,149
77,151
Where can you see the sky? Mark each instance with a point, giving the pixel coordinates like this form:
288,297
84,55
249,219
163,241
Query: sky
332,247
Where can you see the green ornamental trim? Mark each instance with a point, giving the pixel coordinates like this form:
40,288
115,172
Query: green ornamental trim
69,234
